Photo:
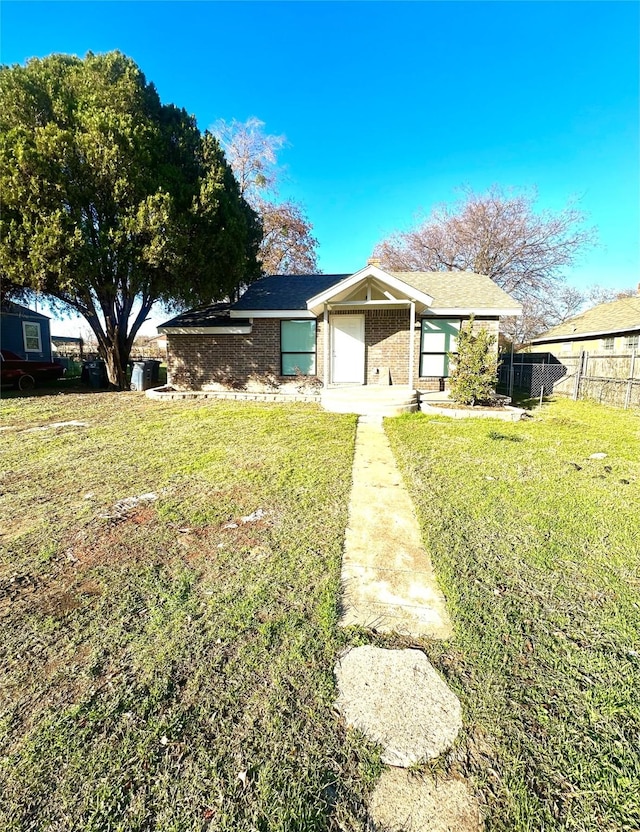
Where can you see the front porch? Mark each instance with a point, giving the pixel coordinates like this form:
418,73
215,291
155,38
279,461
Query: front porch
370,400
368,330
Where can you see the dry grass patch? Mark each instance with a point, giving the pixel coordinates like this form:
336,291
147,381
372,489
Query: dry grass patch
169,666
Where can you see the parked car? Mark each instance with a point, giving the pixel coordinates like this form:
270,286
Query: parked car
23,375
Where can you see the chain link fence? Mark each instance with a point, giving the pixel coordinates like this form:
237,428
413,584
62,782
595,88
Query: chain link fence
605,378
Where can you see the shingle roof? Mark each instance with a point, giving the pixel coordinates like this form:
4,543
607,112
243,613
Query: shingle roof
448,289
617,316
286,291
213,314
459,290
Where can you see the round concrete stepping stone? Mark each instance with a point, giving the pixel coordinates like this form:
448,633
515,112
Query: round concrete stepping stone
405,802
396,698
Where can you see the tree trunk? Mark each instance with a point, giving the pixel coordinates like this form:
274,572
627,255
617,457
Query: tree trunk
116,372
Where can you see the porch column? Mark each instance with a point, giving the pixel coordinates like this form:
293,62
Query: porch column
325,336
412,335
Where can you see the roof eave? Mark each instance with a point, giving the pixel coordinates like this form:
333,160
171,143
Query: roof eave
205,330
491,311
271,313
576,336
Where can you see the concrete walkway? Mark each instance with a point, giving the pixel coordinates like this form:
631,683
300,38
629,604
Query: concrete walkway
387,576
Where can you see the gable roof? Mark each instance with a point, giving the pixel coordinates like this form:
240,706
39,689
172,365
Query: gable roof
452,292
607,318
372,276
439,293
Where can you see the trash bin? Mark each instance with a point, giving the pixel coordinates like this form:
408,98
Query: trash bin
155,370
142,375
94,373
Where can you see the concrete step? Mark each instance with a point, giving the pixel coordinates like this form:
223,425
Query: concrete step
370,401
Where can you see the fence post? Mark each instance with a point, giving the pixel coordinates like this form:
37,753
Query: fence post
576,383
632,367
511,374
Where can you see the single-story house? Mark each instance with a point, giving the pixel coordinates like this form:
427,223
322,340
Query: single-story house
607,329
25,332
371,327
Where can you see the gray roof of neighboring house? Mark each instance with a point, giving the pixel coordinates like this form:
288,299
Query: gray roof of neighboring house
286,291
617,316
213,314
460,290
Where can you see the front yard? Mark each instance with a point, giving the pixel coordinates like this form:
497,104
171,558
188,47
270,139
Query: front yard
166,663
537,546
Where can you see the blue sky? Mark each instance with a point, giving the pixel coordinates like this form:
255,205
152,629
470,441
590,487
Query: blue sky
388,107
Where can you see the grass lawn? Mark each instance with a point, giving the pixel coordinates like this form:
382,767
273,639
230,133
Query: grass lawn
169,666
538,551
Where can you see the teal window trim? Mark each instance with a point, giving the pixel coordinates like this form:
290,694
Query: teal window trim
449,326
306,357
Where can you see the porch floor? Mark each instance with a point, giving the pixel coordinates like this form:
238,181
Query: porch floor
370,400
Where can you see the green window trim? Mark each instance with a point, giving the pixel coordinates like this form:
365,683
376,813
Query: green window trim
438,339
298,347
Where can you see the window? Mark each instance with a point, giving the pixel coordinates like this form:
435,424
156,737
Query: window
607,343
298,348
31,335
439,337
632,342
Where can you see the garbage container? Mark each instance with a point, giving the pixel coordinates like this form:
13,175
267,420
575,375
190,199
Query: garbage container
94,373
142,375
155,370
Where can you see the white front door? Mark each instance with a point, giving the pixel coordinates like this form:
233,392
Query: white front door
347,349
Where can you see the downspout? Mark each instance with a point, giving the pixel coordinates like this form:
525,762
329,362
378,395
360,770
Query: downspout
412,336
325,336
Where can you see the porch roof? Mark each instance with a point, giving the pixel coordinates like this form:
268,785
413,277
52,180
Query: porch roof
392,287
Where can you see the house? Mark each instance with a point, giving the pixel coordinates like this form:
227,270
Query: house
607,329
24,332
371,327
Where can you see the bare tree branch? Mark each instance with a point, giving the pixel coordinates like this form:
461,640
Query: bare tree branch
499,233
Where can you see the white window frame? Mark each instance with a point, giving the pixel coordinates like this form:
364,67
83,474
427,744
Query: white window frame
27,348
608,344
632,342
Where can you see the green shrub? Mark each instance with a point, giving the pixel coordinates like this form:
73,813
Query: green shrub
475,367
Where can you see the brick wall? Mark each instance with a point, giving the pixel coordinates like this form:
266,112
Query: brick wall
208,361
199,361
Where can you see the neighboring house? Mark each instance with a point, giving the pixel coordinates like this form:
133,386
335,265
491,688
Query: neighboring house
371,327
607,329
25,332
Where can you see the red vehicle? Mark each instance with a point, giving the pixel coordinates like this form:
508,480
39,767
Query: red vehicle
23,375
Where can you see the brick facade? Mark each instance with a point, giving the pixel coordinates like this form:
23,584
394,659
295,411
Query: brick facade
197,362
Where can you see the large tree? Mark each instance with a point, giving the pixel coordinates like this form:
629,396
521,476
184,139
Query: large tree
501,234
288,246
112,200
